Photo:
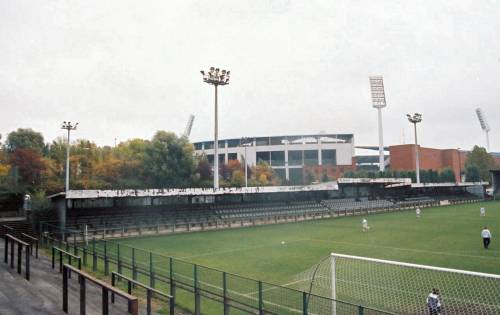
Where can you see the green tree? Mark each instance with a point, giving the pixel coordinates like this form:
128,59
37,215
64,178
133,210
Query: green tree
481,159
447,176
168,160
25,139
472,173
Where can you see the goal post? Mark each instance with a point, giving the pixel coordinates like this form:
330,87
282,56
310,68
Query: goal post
333,284
400,287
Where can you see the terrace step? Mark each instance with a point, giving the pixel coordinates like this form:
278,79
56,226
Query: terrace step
43,294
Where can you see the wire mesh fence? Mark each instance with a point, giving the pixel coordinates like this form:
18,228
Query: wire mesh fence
195,288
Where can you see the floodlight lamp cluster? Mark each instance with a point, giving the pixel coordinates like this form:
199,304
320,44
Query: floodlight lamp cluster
68,126
216,76
246,142
482,120
377,91
415,118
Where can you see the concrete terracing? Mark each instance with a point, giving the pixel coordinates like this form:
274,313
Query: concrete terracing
43,294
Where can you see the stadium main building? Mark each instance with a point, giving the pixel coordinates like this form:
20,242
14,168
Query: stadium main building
289,155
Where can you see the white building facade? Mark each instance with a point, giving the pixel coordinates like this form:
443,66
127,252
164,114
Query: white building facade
287,155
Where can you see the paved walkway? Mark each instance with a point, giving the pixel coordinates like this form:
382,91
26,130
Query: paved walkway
43,294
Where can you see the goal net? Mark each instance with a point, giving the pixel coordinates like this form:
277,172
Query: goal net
399,287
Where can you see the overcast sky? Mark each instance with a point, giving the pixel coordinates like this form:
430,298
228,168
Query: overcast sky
124,69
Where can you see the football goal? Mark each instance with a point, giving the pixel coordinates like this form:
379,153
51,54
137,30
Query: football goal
400,287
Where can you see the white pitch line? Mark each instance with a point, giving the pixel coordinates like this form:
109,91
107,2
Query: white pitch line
239,249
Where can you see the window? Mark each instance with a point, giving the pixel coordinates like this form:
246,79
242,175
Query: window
264,157
198,146
233,143
232,156
262,141
311,157
295,157
278,158
329,157
295,176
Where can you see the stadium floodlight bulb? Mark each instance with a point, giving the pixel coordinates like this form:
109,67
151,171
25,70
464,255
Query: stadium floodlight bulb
377,91
415,118
216,76
482,120
484,125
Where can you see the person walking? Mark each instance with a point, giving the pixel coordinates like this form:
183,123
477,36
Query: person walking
417,211
364,225
486,235
482,212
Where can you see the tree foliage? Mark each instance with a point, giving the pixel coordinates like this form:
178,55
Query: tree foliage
472,173
27,139
482,160
168,160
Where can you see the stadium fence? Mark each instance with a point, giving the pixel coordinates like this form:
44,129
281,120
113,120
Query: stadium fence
233,293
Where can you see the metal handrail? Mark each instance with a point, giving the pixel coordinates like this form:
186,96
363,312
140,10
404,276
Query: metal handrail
117,276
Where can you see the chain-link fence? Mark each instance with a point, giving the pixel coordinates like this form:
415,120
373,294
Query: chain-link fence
197,289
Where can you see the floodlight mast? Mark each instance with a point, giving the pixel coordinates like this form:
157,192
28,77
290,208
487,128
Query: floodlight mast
484,125
246,142
216,77
378,102
415,119
68,126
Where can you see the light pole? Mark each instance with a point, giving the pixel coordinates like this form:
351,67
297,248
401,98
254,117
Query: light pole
378,101
246,143
459,166
216,77
415,119
68,126
287,170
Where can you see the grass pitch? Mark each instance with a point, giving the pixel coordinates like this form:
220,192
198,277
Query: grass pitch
443,236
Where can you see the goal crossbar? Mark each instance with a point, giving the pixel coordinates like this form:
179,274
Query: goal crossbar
427,267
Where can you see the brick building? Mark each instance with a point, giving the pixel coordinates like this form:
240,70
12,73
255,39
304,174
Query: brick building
403,159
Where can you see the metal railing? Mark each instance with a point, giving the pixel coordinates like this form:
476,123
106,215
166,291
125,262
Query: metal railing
230,291
70,256
106,288
20,244
149,291
32,241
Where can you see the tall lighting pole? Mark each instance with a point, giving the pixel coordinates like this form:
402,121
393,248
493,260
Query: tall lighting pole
246,143
216,77
378,102
68,126
415,119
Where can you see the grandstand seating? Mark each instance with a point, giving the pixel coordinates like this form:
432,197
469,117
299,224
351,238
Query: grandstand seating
115,222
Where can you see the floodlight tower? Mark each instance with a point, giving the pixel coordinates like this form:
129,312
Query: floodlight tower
484,125
415,119
68,126
189,126
378,102
216,77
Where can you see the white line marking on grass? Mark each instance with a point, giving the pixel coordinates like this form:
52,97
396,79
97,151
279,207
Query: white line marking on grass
406,249
232,250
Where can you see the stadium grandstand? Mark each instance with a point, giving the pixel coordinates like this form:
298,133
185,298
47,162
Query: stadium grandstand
116,213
